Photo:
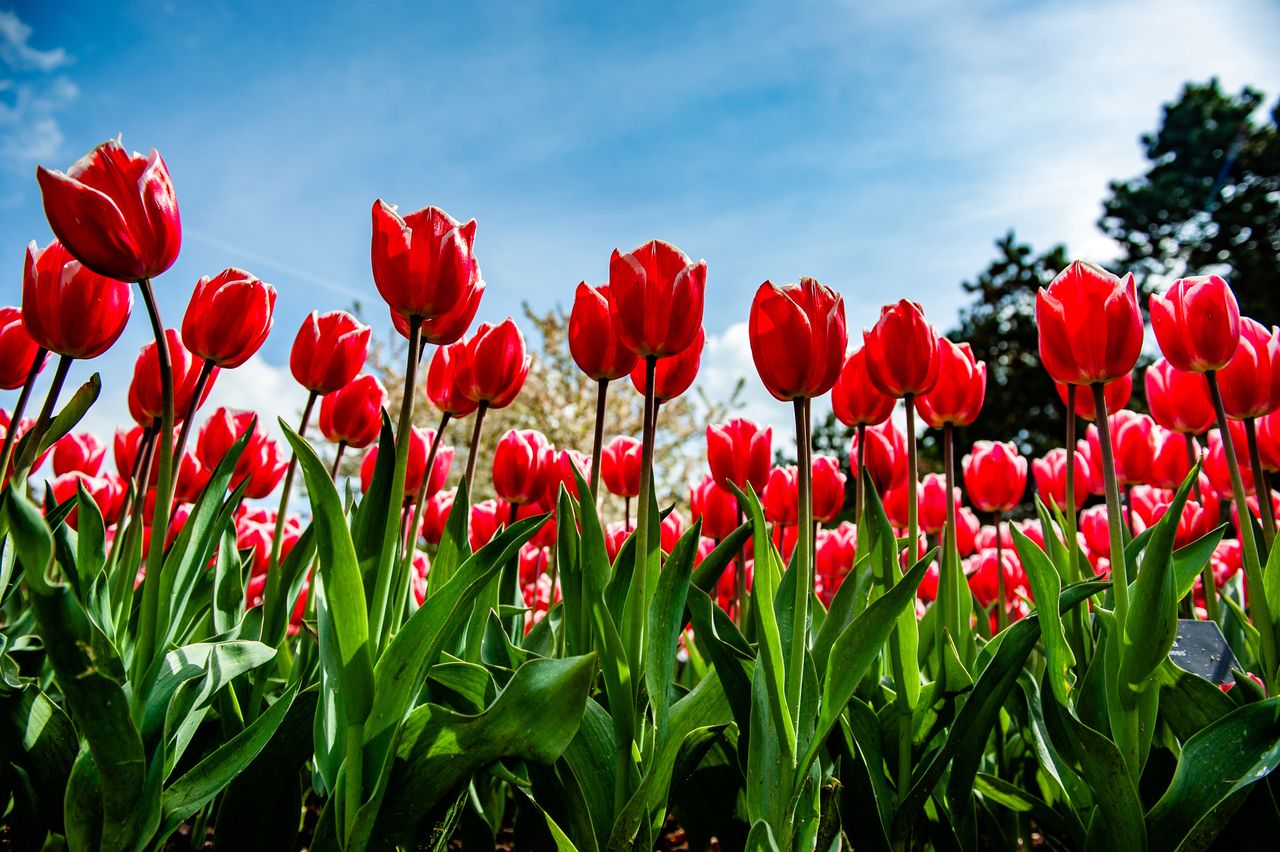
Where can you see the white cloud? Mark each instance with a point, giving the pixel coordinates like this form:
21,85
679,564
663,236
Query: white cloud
30,99
265,388
16,51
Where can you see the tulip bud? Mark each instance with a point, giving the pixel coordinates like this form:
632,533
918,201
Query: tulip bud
1090,325
716,507
740,452
655,298
69,309
995,476
115,212
781,498
902,351
798,338
957,397
79,451
352,415
17,350
854,399
228,318
424,264
494,364
443,377
521,466
1197,323
1250,383
145,391
673,375
828,488
1179,400
328,351
1051,478
620,466
885,457
593,341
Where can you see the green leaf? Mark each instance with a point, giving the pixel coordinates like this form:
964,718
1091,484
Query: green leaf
905,640
1046,586
228,583
850,599
31,445
666,612
455,545
1190,560
227,660
1218,762
36,734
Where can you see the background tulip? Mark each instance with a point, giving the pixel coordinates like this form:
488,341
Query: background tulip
1250,383
674,374
854,399
1050,473
828,489
933,502
17,350
424,263
124,449
1178,400
260,456
443,388
1117,394
593,341
740,452
352,415
995,476
328,351
115,212
798,338
1269,441
186,376
228,318
416,469
446,328
78,451
521,466
781,496
1172,457
68,308
716,507
561,466
885,455
436,515
902,351
620,466
1197,323
1132,443
655,298
957,397
494,364
1090,325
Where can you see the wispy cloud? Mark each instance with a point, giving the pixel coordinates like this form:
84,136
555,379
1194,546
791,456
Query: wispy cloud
31,98
16,50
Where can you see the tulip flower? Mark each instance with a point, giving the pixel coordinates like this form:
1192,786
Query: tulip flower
996,575
520,466
492,367
957,397
193,476
424,263
107,493
229,317
1090,325
416,468
902,351
1250,383
486,520
857,403
1218,470
673,375
716,507
798,338
220,432
594,342
443,388
439,505
967,526
1197,323
352,415
655,298
1178,400
1050,473
446,328
620,466
780,499
78,451
125,447
1269,441
1117,395
560,471
69,309
328,351
740,452
1134,448
186,380
883,453
18,352
1172,457
995,476
828,489
934,509
115,212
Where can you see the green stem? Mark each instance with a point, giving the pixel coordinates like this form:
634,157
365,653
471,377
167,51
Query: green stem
740,580
803,563
272,605
337,460
1260,488
1207,583
354,763
597,442
378,615
949,590
164,493
861,488
469,476
1119,568
913,535
1076,618
403,584
1002,614
184,431
46,412
1258,607
11,434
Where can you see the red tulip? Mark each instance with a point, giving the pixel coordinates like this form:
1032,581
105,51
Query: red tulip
984,570
798,338
68,308
125,449
1250,384
424,264
902,351
1051,478
655,298
933,502
443,375
268,465
1215,462
962,383
967,526
1096,531
435,515
352,415
560,472
673,375
228,318
620,466
670,530
446,328
740,452
487,517
835,551
17,350
828,488
193,476
1132,445
1269,441
716,507
328,351
115,211
416,469
854,399
259,463
1091,452
995,476
885,457
784,538
1117,395
1169,463
186,373
1179,400
1150,505
78,451
593,341
615,535
494,364
107,493
521,466
1090,325
1197,323
781,498
897,502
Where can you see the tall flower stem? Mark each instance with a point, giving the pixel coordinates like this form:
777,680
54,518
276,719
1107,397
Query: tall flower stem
1258,607
740,579
1002,614
272,605
337,460
474,449
184,432
145,648
803,563
1260,488
597,441
949,589
1207,581
1076,618
1119,568
861,488
402,583
11,433
638,596
45,417
913,536
379,621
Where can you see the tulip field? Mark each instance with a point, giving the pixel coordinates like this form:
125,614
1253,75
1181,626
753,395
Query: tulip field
1067,652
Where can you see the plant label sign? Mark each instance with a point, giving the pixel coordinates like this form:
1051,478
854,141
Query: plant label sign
1201,649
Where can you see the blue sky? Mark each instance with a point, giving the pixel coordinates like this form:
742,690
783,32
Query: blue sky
880,150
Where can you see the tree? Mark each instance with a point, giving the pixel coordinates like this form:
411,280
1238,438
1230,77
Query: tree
1210,200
